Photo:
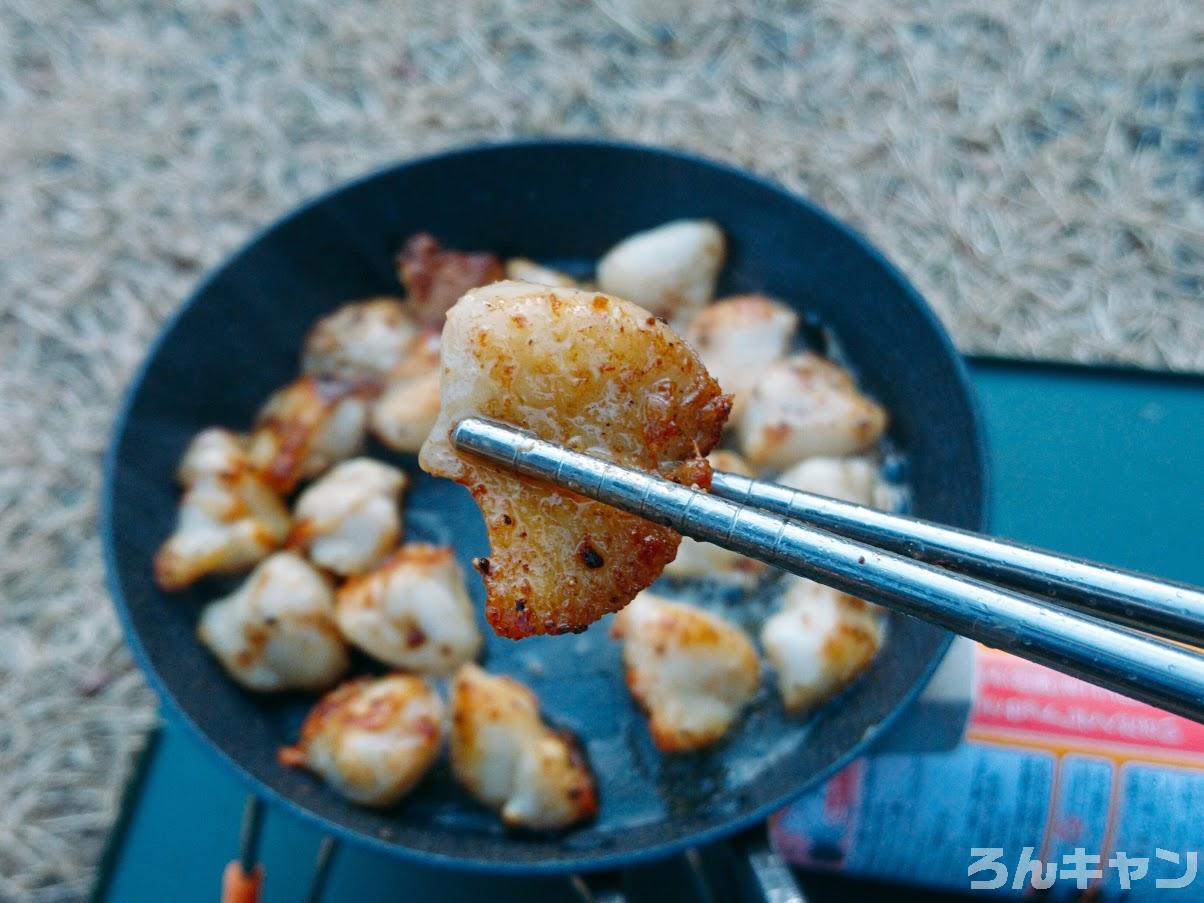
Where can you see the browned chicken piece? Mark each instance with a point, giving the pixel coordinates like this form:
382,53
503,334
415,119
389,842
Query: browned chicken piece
305,428
359,343
277,630
350,519
372,740
229,518
436,277
819,642
412,612
671,270
804,406
213,452
690,670
403,415
702,560
504,755
738,338
592,373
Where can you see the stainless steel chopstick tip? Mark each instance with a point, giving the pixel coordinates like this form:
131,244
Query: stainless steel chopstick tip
496,441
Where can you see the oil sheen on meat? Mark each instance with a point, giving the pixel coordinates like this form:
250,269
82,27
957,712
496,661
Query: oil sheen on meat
598,375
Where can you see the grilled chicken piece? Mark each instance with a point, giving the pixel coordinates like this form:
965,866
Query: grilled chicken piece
372,740
805,406
229,519
690,670
407,409
412,612
435,277
305,428
670,270
349,520
593,373
702,560
504,755
277,630
853,480
213,452
819,642
737,338
360,342
520,269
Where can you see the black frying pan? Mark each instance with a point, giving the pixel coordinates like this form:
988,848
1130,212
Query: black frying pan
238,337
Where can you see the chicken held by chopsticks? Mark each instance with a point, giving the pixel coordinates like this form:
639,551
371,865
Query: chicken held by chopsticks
595,374
505,756
349,520
690,670
229,518
277,630
412,612
370,739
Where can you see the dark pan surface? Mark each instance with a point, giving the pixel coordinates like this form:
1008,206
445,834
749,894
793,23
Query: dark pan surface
238,337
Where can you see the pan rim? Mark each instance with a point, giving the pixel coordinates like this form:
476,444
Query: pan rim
590,861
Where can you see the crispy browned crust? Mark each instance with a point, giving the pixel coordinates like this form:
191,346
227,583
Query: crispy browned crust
413,553
173,571
315,722
850,648
583,791
673,630
287,425
480,700
617,556
435,277
334,710
558,561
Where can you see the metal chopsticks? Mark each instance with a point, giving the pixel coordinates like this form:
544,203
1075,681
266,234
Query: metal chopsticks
788,535
1162,608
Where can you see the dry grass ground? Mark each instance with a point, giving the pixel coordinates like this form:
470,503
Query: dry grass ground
1037,168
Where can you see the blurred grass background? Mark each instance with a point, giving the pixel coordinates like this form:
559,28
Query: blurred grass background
1036,168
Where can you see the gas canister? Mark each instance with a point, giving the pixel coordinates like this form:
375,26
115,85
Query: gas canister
1056,785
